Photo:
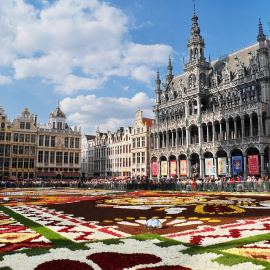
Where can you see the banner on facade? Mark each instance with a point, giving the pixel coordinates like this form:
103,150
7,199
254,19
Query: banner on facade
237,165
155,168
209,166
222,168
173,168
253,164
183,167
163,168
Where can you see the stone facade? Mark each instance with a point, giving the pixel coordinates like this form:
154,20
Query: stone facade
29,150
214,118
140,165
87,156
18,146
124,153
58,148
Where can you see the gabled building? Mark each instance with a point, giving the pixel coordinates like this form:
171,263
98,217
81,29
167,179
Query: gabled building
58,148
140,164
23,142
87,156
5,144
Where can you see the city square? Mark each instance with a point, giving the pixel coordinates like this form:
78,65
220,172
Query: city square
134,135
67,228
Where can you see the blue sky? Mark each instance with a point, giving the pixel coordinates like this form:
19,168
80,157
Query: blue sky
100,58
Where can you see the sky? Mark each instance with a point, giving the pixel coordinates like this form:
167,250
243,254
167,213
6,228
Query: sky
100,58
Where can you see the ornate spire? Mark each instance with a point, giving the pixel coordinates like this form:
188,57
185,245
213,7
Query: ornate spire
158,81
57,112
158,91
169,68
195,29
261,36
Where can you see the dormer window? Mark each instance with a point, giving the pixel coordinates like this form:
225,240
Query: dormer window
59,125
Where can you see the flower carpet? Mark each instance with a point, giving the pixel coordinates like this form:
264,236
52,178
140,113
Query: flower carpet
62,228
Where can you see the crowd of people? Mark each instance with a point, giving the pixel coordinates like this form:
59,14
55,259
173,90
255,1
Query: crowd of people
251,183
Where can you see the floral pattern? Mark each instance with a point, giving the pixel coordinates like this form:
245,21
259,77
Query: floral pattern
200,220
131,254
15,236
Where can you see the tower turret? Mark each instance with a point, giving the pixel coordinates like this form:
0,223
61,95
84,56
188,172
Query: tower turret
158,91
262,52
169,77
196,42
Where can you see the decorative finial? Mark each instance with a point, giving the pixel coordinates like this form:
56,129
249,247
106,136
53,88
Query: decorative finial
194,6
58,101
261,36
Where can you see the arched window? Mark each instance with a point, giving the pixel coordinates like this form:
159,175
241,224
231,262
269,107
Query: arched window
202,79
195,53
191,55
192,81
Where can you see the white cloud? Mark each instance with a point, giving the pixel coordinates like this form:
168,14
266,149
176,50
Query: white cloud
5,80
143,73
109,113
73,44
72,83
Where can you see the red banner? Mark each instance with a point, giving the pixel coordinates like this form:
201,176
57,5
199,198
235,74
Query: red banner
183,167
155,168
173,166
253,164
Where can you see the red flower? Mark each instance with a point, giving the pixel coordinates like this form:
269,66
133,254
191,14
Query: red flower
119,261
63,265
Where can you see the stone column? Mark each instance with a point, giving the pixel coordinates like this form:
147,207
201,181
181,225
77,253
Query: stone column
251,130
245,166
177,138
213,131
230,165
202,173
200,134
207,132
220,131
178,167
242,128
227,129
216,167
182,132
168,169
260,127
262,163
188,167
163,140
187,137
235,128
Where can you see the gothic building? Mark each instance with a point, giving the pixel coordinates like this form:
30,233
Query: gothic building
213,120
